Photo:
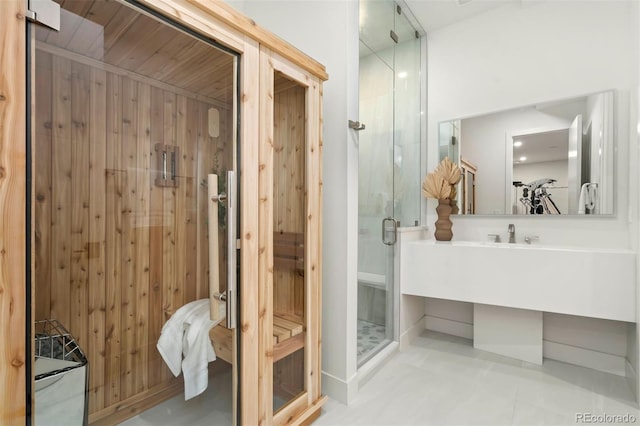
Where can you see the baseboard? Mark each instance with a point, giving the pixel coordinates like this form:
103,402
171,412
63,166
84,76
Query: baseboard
584,357
368,370
338,389
411,333
632,378
446,326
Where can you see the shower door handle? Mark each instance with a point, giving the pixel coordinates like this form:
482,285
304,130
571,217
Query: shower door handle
389,231
231,250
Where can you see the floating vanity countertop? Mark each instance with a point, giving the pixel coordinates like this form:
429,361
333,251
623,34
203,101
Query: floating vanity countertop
592,282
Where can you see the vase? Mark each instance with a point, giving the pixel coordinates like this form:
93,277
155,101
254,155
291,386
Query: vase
443,224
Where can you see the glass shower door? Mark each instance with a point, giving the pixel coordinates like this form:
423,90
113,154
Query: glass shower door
376,178
134,117
389,162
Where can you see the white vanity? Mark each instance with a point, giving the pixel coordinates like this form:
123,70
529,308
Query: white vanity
511,285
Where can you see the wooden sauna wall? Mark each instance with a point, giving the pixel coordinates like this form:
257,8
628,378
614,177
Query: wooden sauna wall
115,253
289,188
289,216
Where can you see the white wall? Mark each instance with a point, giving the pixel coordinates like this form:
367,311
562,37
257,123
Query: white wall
328,32
593,343
634,194
484,144
525,54
535,52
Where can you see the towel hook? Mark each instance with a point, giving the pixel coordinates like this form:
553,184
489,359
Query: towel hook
356,125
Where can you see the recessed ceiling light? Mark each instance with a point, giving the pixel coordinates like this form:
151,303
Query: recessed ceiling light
517,144
402,74
523,158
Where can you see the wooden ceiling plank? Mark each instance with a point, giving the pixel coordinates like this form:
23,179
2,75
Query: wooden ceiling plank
54,50
177,61
152,46
118,25
201,69
136,33
165,54
86,40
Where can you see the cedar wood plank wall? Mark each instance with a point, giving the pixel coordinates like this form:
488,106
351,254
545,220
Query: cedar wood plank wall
114,252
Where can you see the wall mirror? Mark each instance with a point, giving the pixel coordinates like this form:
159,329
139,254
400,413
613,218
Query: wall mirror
552,158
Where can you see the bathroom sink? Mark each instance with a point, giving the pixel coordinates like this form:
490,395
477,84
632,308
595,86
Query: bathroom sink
593,282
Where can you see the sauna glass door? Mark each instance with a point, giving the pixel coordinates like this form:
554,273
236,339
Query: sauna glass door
289,282
134,119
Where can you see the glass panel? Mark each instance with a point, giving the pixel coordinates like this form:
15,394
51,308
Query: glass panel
376,199
289,225
132,115
389,160
376,22
406,161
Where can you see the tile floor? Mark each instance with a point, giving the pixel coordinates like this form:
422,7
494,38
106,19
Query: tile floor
443,380
212,407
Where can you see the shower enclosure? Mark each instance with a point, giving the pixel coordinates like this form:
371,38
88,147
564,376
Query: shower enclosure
389,161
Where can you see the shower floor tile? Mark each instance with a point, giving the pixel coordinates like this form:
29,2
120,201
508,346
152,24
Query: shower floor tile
370,336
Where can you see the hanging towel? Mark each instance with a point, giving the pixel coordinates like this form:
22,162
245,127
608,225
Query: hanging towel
184,345
588,198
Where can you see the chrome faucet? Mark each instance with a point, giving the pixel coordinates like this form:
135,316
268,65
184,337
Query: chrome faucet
512,233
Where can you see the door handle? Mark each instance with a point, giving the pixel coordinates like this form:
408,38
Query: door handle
389,231
231,250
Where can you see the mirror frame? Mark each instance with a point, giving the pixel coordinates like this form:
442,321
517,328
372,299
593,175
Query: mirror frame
613,151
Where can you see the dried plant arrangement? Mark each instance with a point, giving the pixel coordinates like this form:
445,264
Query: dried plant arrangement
434,186
440,184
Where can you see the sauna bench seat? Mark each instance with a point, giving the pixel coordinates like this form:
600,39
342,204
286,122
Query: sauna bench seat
288,335
222,340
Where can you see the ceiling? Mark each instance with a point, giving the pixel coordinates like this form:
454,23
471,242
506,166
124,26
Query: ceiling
542,147
435,14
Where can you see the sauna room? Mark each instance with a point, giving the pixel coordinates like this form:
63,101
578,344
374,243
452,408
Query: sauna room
144,189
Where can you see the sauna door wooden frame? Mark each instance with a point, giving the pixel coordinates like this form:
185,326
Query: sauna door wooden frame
305,406
468,187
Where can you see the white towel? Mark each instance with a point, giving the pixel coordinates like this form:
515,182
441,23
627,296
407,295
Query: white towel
186,334
588,198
